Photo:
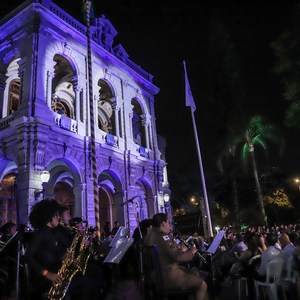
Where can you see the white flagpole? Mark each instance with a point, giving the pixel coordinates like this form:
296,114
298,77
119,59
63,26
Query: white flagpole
190,102
202,176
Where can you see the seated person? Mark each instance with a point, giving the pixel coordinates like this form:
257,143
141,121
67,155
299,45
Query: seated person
296,263
288,249
115,228
174,275
269,254
233,254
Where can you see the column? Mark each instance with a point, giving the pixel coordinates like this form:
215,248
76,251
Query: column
77,102
116,118
145,125
80,203
130,125
21,63
2,88
49,88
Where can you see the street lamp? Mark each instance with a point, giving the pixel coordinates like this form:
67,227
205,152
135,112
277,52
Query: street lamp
297,181
45,176
166,200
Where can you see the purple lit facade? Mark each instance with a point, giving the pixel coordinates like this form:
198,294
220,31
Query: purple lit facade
45,120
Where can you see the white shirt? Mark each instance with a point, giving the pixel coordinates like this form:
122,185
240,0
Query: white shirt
288,250
269,254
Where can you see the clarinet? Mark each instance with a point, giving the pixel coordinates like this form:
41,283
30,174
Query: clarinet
187,244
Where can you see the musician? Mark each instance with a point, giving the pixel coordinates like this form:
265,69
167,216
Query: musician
43,254
174,275
64,232
8,261
115,228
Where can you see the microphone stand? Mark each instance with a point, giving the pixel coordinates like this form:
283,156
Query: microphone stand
212,277
141,243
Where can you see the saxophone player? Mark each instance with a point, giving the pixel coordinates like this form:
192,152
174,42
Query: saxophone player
44,253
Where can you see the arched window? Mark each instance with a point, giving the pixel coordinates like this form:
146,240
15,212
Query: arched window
14,95
106,117
11,97
138,131
63,94
64,195
7,199
61,106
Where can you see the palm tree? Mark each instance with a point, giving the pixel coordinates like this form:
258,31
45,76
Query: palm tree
256,133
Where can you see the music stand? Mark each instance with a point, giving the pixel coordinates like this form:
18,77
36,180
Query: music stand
210,251
216,242
119,246
121,233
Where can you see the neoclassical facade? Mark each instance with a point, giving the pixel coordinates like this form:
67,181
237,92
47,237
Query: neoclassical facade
46,120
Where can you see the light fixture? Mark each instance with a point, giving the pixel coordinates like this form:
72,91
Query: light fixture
45,176
166,197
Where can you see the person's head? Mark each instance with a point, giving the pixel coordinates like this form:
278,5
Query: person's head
44,213
145,225
9,228
77,222
284,239
162,222
65,216
116,224
238,237
271,239
293,235
297,242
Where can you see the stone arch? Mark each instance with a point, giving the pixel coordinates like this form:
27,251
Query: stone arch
11,96
106,103
146,199
138,132
65,185
63,86
8,203
110,197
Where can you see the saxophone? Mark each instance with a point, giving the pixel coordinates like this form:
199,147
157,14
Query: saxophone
75,260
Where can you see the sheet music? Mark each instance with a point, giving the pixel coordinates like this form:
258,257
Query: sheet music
121,233
216,242
117,252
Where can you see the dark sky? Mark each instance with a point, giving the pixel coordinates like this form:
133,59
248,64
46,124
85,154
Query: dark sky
159,35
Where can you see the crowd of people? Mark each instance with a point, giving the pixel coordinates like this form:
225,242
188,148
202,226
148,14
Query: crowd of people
61,254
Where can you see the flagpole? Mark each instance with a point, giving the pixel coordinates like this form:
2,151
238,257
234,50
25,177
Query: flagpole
202,176
189,101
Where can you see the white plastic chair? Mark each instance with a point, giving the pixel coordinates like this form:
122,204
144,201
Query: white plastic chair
273,279
290,277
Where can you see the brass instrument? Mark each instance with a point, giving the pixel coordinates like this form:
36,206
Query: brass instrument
75,260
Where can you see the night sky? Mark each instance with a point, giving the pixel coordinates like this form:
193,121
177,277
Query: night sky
159,35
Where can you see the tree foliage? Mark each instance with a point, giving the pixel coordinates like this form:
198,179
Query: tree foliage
287,52
278,198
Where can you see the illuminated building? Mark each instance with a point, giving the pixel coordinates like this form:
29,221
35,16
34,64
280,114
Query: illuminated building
45,119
